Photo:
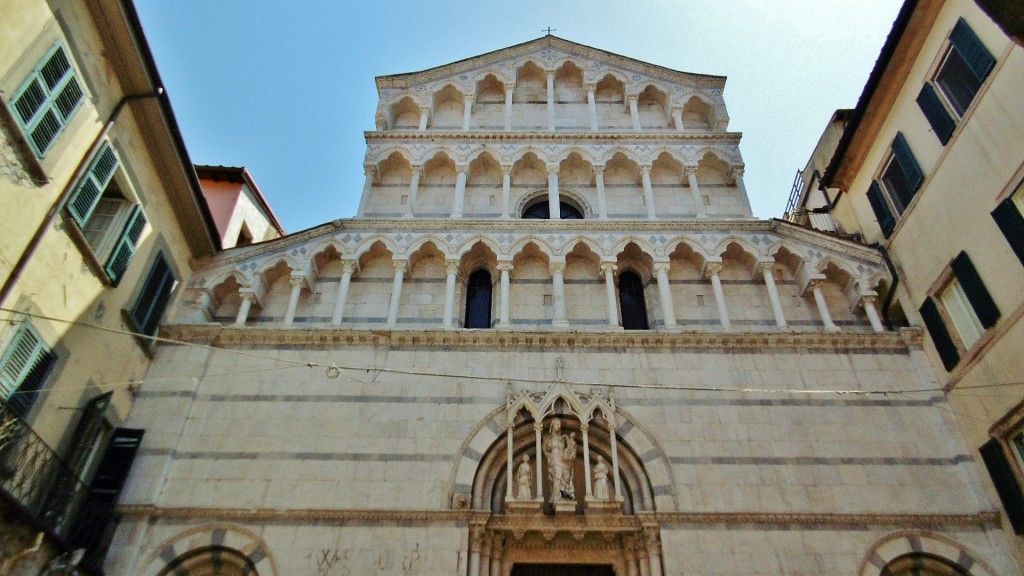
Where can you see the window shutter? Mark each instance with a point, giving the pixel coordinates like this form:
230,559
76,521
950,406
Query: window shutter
154,297
881,209
966,42
1007,486
941,122
25,367
93,184
1011,222
940,336
48,99
907,162
977,294
125,247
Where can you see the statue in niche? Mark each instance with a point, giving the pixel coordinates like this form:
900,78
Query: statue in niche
523,475
560,451
600,479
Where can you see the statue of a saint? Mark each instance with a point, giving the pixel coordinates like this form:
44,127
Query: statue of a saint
523,475
600,479
560,451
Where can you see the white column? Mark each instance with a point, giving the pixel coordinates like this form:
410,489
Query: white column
665,294
460,191
711,270
653,550
509,89
602,204
396,292
424,116
677,117
868,301
509,460
819,299
485,556
244,307
773,294
643,559
505,268
506,191
467,111
369,172
586,459
615,463
558,286
551,101
737,175
476,534
347,268
645,177
634,113
414,187
496,554
538,427
592,105
293,298
629,557
608,269
452,267
698,200
553,204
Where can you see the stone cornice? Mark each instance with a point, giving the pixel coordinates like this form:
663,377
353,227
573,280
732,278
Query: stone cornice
223,336
567,523
559,137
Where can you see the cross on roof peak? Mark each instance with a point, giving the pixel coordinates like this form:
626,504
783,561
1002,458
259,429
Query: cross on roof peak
549,30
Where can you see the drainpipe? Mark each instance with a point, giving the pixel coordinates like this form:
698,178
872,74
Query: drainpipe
892,289
58,205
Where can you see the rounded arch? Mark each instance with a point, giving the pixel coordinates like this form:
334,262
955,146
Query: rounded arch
244,280
644,246
324,245
500,74
365,246
743,243
571,243
240,544
468,245
728,157
908,542
385,153
540,243
684,97
480,152
436,153
842,265
583,153
571,197
630,154
773,249
290,260
674,243
417,244
518,155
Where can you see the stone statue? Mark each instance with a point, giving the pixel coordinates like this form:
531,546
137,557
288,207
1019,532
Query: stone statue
523,475
600,479
560,451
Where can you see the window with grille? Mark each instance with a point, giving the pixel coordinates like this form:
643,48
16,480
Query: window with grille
47,100
24,367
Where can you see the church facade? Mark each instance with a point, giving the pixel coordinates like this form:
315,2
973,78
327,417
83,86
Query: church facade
554,340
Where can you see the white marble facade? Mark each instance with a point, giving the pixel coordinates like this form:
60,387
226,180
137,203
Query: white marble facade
334,404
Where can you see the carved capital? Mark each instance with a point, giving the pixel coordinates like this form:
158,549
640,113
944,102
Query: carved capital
599,171
506,169
736,172
462,168
662,267
510,87
690,170
349,266
609,266
552,168
645,169
369,170
451,266
400,265
476,538
557,267
297,281
417,169
503,266
712,268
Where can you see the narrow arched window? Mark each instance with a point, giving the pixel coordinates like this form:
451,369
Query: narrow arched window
478,300
541,211
632,303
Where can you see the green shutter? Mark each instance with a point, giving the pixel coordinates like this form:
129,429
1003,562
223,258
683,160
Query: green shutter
125,247
1011,222
93,184
1007,486
882,213
907,162
48,99
941,122
984,306
966,42
940,336
153,298
24,369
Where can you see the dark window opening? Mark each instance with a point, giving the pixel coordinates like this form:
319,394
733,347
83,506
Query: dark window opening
632,302
541,211
478,300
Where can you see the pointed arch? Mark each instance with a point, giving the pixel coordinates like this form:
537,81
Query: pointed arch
674,243
500,74
571,243
644,246
584,153
468,245
743,243
541,244
522,152
728,157
442,246
290,260
628,153
842,265
365,246
243,279
385,154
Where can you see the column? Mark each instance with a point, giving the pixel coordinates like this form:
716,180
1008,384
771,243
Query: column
558,285
452,267
460,190
737,175
592,105
369,171
485,555
414,187
244,307
634,113
396,292
509,460
608,269
585,428
424,116
551,101
497,545
698,200
505,268
538,427
602,206
653,550
506,191
712,269
509,89
773,293
668,310
868,301
553,205
476,534
629,556
643,558
645,177
293,298
819,299
467,111
677,118
615,462
347,267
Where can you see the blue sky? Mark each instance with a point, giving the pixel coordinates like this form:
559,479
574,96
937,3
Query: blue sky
288,91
